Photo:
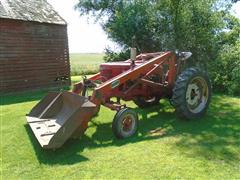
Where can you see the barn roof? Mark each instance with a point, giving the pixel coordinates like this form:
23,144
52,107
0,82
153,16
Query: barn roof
30,10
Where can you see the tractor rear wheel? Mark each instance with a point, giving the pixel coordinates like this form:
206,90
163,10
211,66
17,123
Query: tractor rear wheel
143,102
125,123
191,94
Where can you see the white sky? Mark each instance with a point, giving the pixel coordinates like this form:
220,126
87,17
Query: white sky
88,37
83,36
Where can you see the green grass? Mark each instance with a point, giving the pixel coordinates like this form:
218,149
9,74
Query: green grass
85,63
165,147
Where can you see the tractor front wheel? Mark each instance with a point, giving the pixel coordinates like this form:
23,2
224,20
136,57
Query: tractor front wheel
191,94
125,123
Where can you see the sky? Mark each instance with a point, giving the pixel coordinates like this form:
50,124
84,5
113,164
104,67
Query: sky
86,36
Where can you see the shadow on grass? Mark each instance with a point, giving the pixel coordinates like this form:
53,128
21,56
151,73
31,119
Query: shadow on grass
63,156
20,97
215,137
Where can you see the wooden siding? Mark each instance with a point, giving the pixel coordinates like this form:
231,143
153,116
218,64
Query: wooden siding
32,55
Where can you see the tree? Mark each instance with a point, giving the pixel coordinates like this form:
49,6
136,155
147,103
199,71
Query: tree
158,25
225,69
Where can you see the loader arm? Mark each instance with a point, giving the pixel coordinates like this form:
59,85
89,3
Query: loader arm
136,73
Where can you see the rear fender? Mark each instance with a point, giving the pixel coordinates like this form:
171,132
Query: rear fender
184,55
181,60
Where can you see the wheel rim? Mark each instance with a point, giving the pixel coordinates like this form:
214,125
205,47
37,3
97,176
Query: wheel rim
128,124
197,94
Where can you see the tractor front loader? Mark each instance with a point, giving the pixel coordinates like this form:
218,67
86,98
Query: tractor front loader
144,79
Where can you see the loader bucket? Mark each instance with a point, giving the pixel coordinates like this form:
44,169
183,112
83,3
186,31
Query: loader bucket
59,116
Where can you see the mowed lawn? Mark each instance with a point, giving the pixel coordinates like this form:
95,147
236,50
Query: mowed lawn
85,63
164,148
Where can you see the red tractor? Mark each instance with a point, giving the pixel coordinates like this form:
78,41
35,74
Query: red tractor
144,79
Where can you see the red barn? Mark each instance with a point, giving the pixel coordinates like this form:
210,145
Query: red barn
33,46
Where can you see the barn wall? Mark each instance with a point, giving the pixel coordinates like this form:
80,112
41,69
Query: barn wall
32,55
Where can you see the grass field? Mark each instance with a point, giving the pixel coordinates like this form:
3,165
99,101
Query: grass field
85,63
164,148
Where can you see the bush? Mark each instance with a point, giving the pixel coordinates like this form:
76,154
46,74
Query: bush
111,56
225,71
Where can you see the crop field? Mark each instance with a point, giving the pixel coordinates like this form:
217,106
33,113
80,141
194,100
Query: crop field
85,63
